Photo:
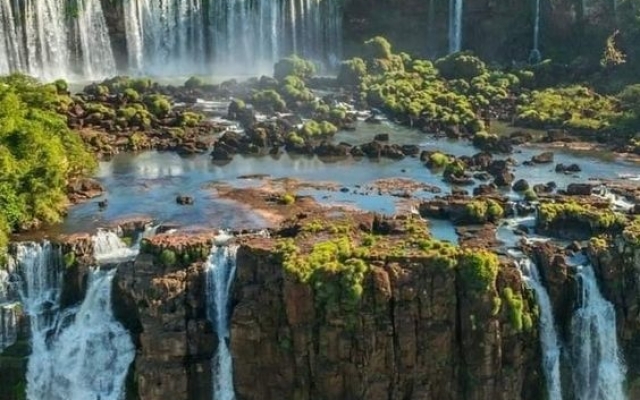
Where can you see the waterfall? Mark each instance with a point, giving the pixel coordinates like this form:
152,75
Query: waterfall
107,246
221,267
535,55
598,370
455,25
548,336
55,39
179,37
9,316
88,354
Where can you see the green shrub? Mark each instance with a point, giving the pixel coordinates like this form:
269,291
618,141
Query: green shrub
194,82
478,269
378,48
288,199
268,100
462,65
293,66
352,72
167,258
515,307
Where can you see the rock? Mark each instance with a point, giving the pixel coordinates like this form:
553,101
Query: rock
482,190
482,176
327,149
481,160
521,185
561,168
83,189
410,150
542,188
382,137
219,154
184,200
103,204
580,189
556,135
543,158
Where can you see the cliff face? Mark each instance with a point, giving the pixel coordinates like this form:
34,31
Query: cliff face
162,301
418,333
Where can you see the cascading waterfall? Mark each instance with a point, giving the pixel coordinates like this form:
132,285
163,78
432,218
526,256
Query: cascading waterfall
455,25
535,55
548,335
231,36
220,273
598,370
55,39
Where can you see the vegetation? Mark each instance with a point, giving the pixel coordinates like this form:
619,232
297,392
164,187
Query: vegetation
38,154
481,211
294,66
598,220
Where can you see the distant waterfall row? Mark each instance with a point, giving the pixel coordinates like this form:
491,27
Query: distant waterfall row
58,38
230,36
55,38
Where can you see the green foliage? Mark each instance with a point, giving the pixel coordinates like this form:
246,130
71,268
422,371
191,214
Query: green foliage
167,258
515,307
575,107
293,89
461,65
331,269
478,269
194,82
313,129
378,48
481,211
288,199
631,232
268,100
530,195
132,95
190,119
438,160
38,154
69,259
598,220
157,104
352,72
294,66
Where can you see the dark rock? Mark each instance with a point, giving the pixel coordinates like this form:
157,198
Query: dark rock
327,149
103,204
382,137
521,185
483,189
543,158
579,189
410,150
184,200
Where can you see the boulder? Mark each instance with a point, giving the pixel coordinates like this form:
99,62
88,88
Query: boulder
184,200
543,158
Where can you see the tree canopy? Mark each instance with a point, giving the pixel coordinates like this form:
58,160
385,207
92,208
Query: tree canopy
38,154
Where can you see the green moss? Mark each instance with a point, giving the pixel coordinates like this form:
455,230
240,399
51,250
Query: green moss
293,66
530,195
462,65
69,259
268,100
167,258
481,211
598,220
438,160
515,306
478,269
194,82
288,199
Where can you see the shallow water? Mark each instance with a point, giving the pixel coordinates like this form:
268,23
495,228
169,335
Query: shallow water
148,183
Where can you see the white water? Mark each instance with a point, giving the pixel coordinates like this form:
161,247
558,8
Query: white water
181,37
221,267
549,343
108,246
535,55
598,370
89,354
455,25
53,39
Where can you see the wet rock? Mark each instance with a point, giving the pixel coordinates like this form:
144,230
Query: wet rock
382,137
327,149
83,189
543,158
521,185
410,150
220,154
561,168
103,204
459,192
503,178
580,189
481,160
556,135
184,200
483,189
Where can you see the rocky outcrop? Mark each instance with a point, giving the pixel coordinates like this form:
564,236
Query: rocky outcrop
419,332
161,299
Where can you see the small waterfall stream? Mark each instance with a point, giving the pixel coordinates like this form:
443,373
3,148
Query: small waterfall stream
220,273
548,336
535,55
598,370
455,25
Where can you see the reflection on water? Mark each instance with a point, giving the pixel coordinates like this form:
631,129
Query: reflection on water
147,183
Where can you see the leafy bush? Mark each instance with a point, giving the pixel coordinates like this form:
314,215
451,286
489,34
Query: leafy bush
462,65
194,82
268,100
38,154
352,72
294,66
